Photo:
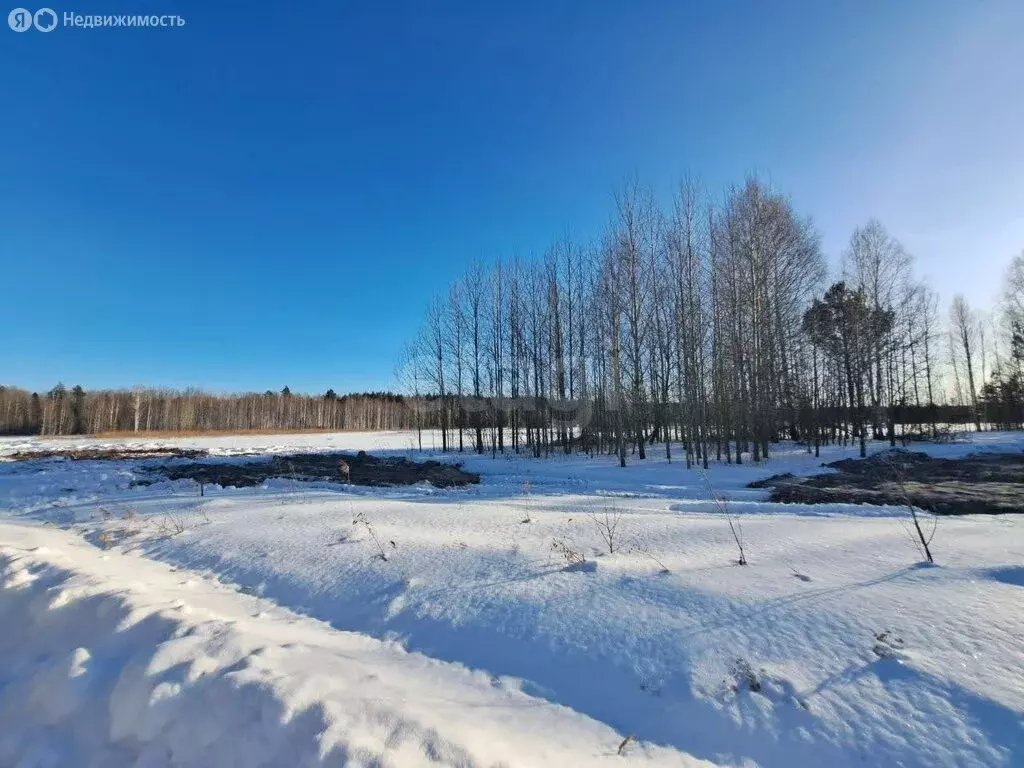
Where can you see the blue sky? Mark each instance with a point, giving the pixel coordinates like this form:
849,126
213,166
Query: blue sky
267,196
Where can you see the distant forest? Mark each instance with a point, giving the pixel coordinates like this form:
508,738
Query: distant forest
65,412
75,411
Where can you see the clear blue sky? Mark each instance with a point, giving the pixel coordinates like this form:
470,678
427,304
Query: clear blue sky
268,195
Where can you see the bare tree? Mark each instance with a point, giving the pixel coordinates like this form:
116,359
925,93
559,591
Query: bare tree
964,336
721,502
613,302
897,474
636,235
606,521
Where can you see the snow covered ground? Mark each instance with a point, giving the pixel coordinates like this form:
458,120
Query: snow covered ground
112,660
231,445
833,646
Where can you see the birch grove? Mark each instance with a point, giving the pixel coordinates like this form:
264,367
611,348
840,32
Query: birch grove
709,324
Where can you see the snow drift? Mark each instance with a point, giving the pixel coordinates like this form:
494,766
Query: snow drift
112,660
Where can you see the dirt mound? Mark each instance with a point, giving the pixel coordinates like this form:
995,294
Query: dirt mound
883,462
362,469
771,482
988,483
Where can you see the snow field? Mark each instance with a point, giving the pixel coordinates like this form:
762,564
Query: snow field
834,646
114,660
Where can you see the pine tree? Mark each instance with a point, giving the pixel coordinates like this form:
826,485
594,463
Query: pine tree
77,410
846,329
35,414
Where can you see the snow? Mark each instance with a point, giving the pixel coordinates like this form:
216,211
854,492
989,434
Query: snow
231,445
858,654
112,660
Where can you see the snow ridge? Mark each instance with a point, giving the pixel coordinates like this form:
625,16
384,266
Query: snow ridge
113,660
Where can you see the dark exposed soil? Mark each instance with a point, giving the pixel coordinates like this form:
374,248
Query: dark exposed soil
774,480
984,483
109,454
364,469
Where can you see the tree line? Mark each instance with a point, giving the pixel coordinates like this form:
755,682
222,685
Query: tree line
62,411
711,322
